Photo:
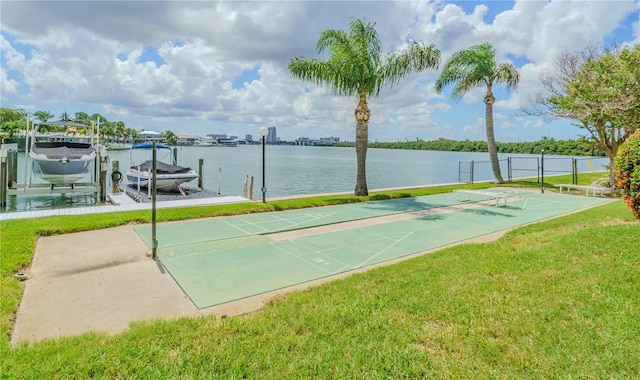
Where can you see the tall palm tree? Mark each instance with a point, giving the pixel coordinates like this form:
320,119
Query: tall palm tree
356,68
477,67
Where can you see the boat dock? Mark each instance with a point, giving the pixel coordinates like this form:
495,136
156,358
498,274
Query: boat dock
123,202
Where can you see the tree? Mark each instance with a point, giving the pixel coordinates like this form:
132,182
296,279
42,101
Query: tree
11,122
473,68
83,118
119,130
170,137
43,116
355,67
130,134
598,88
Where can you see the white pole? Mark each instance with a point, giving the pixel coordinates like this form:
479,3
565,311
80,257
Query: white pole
26,153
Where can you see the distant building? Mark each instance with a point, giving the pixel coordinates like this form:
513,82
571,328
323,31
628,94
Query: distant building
185,139
149,136
271,137
323,141
248,138
329,140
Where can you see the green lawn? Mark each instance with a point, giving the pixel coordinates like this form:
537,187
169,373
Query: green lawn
557,299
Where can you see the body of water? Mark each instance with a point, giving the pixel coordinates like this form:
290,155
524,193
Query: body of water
299,170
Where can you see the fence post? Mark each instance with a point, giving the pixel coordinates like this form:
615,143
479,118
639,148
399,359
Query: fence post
472,170
3,179
200,162
574,169
542,166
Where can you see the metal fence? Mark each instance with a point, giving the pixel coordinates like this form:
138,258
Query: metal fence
529,167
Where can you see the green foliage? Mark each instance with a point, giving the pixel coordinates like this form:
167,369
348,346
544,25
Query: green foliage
170,137
550,146
11,122
355,63
598,88
627,172
475,67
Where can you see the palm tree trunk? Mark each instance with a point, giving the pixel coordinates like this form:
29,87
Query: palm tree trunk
362,115
489,99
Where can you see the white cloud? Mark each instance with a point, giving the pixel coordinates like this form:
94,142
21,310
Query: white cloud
77,61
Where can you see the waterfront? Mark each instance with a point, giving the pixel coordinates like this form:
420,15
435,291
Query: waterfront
300,170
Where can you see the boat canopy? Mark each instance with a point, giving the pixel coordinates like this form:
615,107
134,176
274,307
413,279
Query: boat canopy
150,146
64,123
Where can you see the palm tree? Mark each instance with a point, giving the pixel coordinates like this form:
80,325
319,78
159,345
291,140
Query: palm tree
476,67
43,116
356,68
119,130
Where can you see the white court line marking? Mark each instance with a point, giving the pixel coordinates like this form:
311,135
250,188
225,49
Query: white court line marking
238,227
384,250
313,250
309,218
306,261
292,223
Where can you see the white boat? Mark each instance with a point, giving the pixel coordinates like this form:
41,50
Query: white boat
62,159
168,177
204,141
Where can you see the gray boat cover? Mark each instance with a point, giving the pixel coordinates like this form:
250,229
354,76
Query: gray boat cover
162,167
71,151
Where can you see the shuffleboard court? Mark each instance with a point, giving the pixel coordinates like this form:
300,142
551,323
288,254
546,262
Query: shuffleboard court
194,231
215,268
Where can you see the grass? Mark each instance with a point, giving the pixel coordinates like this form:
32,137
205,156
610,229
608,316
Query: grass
553,299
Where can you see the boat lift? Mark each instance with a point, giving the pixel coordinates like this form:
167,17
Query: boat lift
9,175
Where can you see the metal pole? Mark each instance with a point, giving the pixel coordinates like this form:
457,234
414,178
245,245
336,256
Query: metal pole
264,189
154,249
472,170
542,169
3,178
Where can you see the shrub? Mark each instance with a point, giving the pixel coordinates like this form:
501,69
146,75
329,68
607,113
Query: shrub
627,171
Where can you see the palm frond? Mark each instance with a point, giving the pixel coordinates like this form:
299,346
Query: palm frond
415,58
508,75
474,67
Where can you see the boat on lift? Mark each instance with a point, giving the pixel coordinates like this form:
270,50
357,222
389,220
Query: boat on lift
168,177
64,157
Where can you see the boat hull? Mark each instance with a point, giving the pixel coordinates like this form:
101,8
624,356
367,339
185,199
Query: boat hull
61,171
164,182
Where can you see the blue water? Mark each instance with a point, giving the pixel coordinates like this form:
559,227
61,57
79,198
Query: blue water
299,170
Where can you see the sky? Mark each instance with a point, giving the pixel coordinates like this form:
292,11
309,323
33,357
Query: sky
211,67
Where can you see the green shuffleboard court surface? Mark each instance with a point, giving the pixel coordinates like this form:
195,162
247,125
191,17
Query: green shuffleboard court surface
223,259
